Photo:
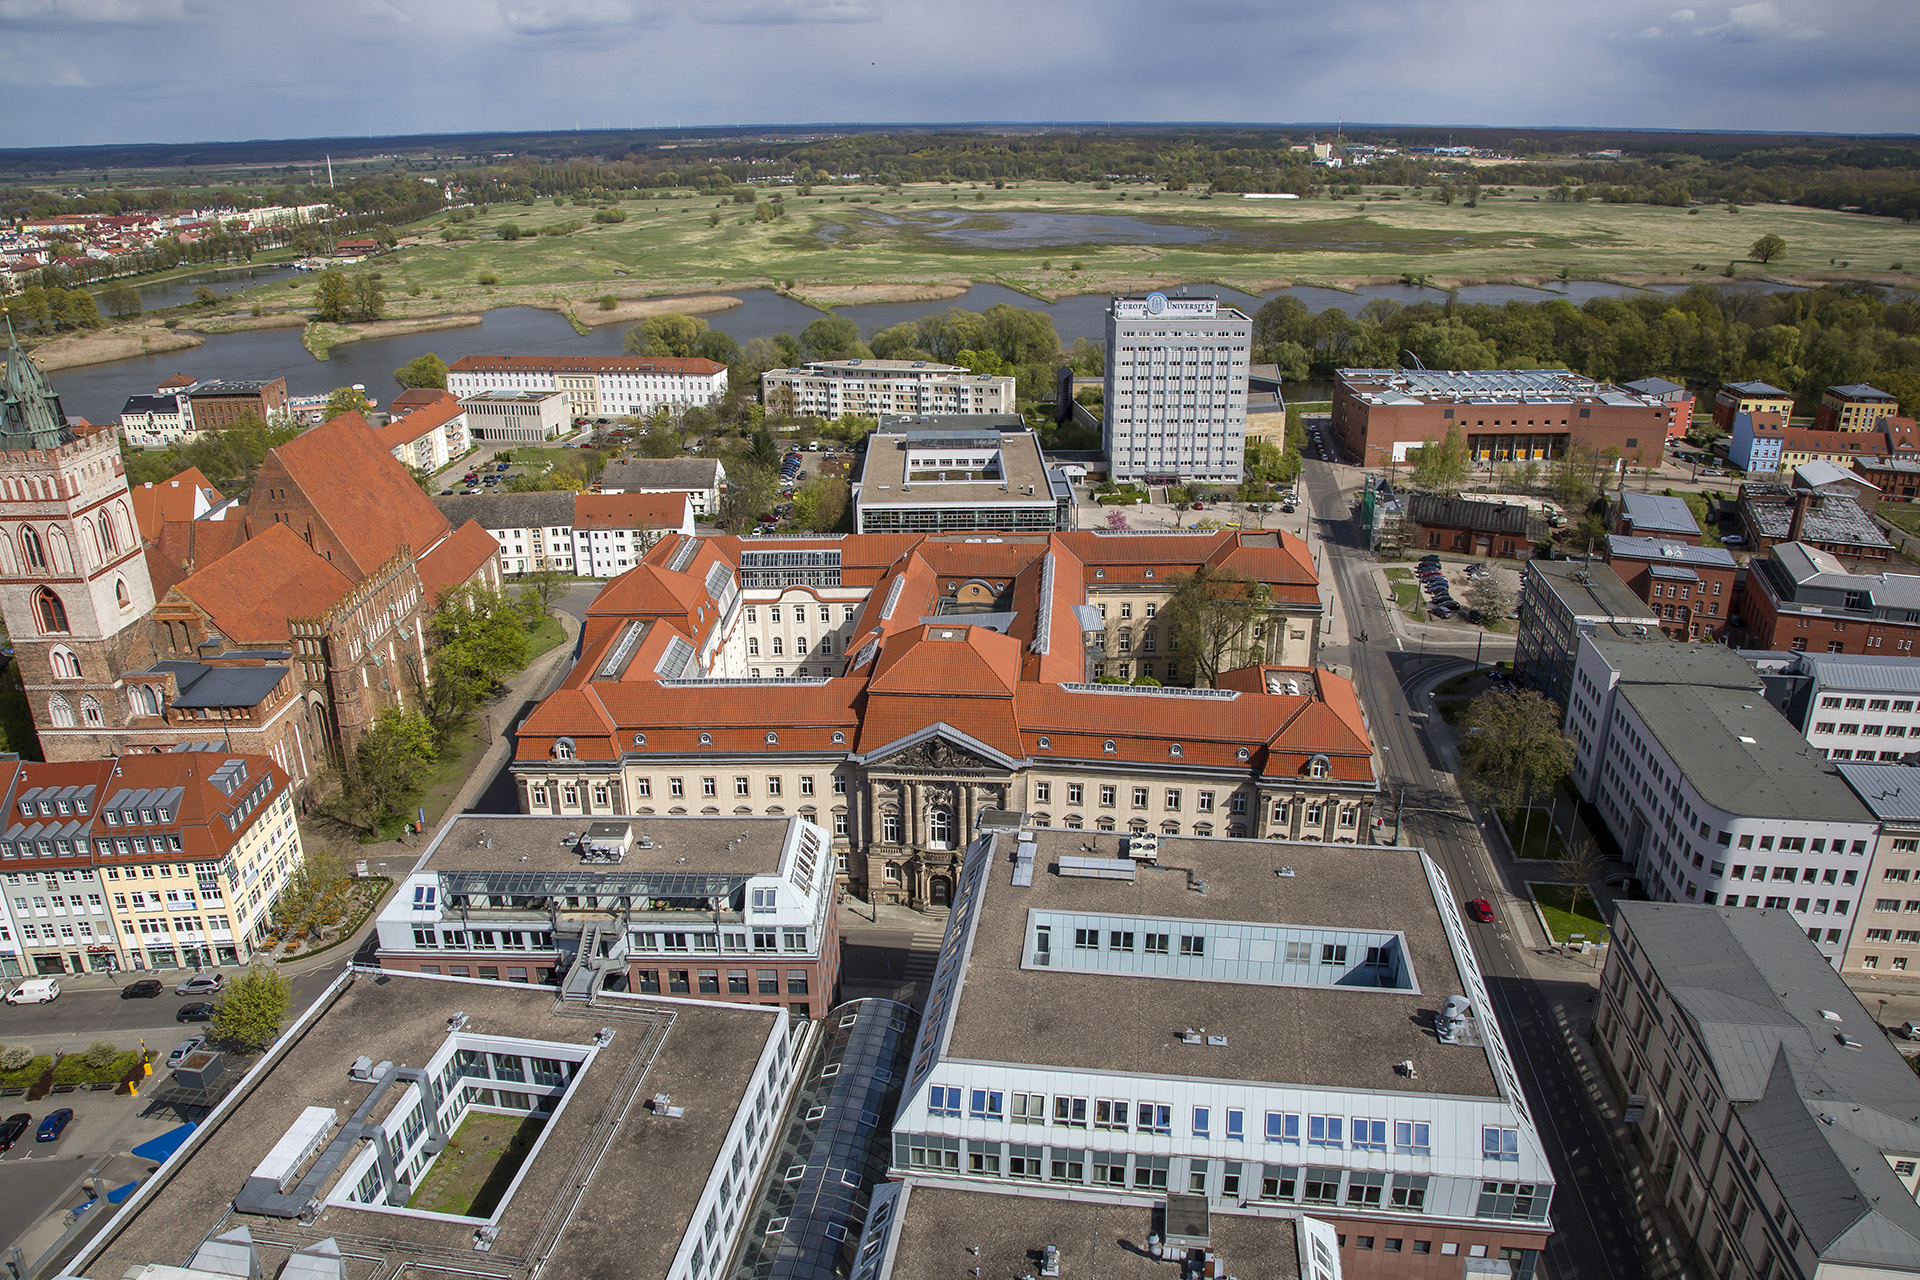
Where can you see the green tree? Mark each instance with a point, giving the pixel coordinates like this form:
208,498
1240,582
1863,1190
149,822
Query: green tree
332,296
820,503
1211,616
346,400
1767,248
1512,748
671,334
544,586
205,297
121,299
661,440
1443,466
832,337
478,637
369,297
1490,595
428,371
385,769
249,1014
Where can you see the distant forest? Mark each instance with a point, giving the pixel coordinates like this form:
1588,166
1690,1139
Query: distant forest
1872,175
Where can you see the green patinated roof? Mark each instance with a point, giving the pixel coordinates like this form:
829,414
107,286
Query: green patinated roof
30,413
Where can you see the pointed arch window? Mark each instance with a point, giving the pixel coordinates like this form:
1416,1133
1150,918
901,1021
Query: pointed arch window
60,712
120,593
51,614
90,712
145,701
31,548
65,663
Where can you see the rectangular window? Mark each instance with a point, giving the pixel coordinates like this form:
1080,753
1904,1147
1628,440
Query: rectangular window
1157,944
1283,1126
1279,1182
943,1100
1412,1137
1070,1111
1236,1125
1410,1193
986,1104
1326,1131
1369,1135
1110,1113
1193,945
1029,1108
1499,1144
1202,1122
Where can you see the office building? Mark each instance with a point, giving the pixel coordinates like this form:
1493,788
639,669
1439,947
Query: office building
1775,1123
732,909
870,388
517,417
936,480
644,1127
1560,601
1850,707
1710,795
1251,1033
1678,399
895,689
1831,521
1854,407
596,386
1175,407
1505,415
1803,599
1886,938
1737,398
1689,587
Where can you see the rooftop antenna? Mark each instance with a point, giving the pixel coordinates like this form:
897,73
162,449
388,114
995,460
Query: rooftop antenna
329,172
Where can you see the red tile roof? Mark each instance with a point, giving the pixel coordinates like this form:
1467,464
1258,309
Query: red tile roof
456,560
185,545
199,813
631,510
155,503
416,397
250,593
422,420
361,492
585,364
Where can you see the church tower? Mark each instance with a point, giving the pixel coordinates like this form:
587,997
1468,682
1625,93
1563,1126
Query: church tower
74,589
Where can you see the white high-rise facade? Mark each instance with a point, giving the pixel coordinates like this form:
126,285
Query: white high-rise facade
1176,390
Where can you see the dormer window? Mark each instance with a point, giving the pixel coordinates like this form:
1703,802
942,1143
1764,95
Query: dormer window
146,817
839,738
773,739
706,739
165,815
1318,767
563,748
1176,751
1108,746
112,817
1242,754
639,739
1045,743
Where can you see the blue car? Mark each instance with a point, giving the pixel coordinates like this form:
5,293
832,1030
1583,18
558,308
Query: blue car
54,1124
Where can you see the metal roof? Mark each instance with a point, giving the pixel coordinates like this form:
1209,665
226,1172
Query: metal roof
1892,791
1624,546
595,880
1859,671
1658,513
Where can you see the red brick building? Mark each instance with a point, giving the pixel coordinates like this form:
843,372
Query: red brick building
214,405
1803,599
1689,588
1379,415
1678,399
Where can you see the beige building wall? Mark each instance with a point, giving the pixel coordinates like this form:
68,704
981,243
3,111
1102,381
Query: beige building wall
1886,933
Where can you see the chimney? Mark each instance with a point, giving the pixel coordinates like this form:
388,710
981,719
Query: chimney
1802,503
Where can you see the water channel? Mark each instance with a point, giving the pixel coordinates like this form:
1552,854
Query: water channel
97,392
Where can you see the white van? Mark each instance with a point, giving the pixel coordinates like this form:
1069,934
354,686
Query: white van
34,991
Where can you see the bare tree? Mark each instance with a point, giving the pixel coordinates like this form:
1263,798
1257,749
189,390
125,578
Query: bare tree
1581,865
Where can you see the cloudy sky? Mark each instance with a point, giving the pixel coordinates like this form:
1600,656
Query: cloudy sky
97,71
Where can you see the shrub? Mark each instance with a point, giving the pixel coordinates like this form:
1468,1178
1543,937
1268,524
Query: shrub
608,302
488,278
101,1054
14,1057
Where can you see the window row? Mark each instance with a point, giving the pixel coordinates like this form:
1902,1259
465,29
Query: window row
742,786
682,982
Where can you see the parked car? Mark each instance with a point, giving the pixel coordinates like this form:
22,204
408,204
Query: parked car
445,492
1480,910
15,1125
1908,1031
35,991
51,1127
185,1047
1497,676
145,989
199,1011
200,984
1734,540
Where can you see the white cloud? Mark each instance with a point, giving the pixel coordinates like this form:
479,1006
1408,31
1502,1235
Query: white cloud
780,12
1653,33
566,18
57,14
1681,15
1756,23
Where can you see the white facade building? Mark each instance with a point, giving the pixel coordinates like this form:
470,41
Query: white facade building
1710,794
1176,390
595,386
534,530
1052,1059
517,417
701,479
429,437
829,388
1851,707
611,531
156,421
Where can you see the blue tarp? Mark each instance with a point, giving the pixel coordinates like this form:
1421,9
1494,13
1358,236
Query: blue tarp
158,1149
118,1194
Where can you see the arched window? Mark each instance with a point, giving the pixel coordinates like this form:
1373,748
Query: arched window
62,553
1138,826
120,593
890,827
753,646
51,614
145,701
1073,822
99,546
563,748
65,663
940,828
1169,828
1105,824
60,712
8,564
90,712
1318,767
31,548
120,533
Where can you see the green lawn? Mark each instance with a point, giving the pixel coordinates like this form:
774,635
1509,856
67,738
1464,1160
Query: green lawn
1904,516
478,1165
1542,841
545,636
1554,900
1406,592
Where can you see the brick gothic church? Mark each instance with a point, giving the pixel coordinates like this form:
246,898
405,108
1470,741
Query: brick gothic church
283,627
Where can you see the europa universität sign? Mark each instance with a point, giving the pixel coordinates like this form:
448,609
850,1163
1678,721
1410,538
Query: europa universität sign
1158,306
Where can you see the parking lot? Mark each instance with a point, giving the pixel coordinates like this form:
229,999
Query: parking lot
1447,588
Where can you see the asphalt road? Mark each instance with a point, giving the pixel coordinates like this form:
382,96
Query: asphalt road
1594,1225
85,1013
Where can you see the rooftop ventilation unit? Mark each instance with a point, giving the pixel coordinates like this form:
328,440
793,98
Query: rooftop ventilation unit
1455,1024
1285,873
361,1070
662,1105
457,1022
1143,848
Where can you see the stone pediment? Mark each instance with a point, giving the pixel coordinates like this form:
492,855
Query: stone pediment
940,750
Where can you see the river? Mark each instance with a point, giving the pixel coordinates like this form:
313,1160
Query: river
97,392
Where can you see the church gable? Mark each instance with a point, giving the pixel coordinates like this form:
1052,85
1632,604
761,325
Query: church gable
939,749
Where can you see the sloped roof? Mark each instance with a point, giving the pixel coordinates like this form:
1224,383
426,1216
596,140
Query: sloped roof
156,502
181,546
420,420
661,473
544,509
631,510
361,492
587,364
250,593
1653,514
1469,513
458,557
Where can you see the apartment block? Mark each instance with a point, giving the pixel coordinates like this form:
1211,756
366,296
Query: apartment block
1854,407
703,480
1710,795
1849,707
534,530
1802,599
428,431
1678,399
1737,398
1887,937
1229,1029
1759,441
869,387
1689,587
1176,390
1775,1121
596,386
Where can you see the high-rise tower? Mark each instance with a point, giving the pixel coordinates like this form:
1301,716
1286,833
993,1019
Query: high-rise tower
74,589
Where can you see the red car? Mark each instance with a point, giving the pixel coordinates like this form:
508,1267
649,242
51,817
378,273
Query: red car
1481,910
